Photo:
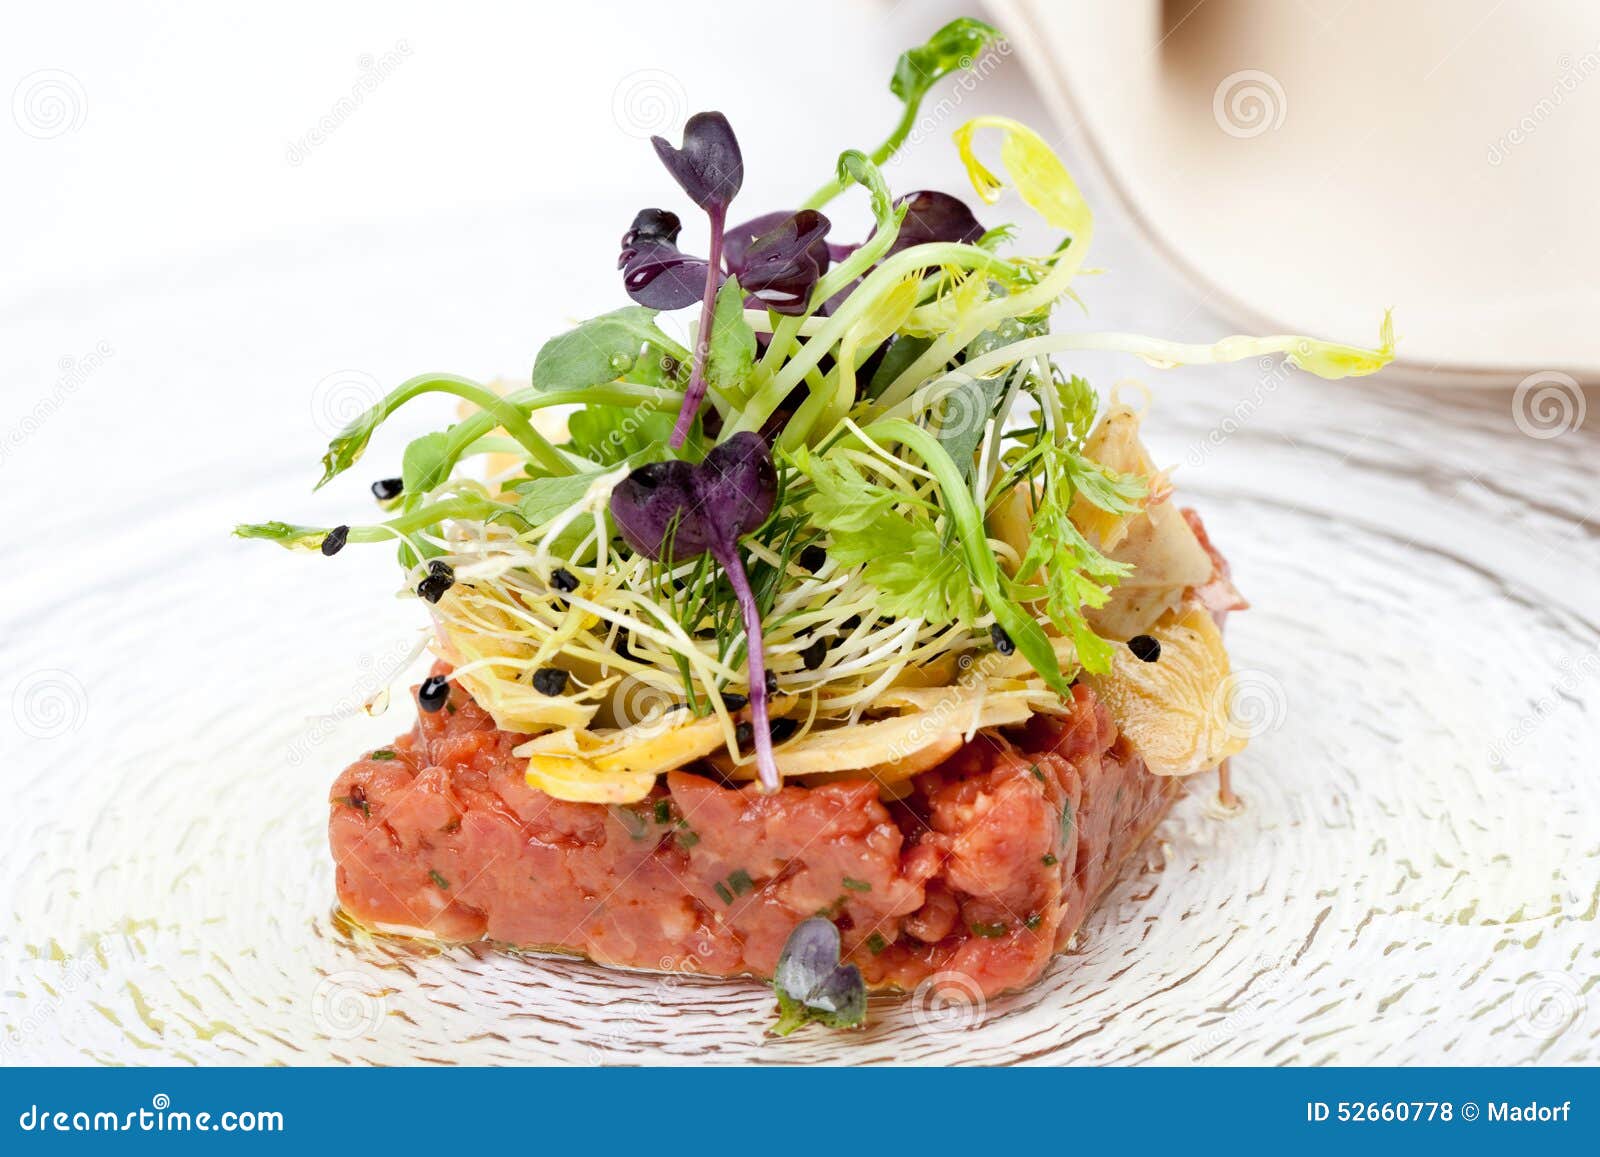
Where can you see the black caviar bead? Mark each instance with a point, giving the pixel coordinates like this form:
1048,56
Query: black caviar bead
563,580
814,655
385,489
744,734
1145,648
733,701
772,683
333,542
812,558
1002,641
433,694
550,680
441,577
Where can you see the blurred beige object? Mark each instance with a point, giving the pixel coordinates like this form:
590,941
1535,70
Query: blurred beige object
1309,163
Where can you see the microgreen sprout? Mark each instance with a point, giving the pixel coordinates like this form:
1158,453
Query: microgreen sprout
672,511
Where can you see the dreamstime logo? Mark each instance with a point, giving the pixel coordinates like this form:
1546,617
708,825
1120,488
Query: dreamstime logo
1248,103
342,397
49,704
347,1005
74,372
947,1003
1549,1003
1253,702
648,103
957,404
374,70
49,104
644,706
1548,404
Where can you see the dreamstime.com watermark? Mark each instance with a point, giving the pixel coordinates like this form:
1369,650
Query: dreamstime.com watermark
1274,372
1571,73
370,694
618,1038
374,70
349,1005
75,974
72,373
48,104
49,703
1248,103
647,103
158,1117
1563,691
1548,404
973,71
1248,1014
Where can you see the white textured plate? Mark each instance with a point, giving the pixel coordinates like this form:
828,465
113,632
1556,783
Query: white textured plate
1426,155
1414,877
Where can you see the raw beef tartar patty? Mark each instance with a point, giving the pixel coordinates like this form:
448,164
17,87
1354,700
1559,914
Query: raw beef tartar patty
983,871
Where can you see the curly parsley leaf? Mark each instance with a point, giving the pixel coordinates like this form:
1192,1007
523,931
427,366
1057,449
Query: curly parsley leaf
1077,576
903,554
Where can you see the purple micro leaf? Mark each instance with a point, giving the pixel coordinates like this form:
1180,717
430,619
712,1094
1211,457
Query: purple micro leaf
673,511
812,984
709,165
742,237
710,169
657,276
781,266
932,216
652,225
654,272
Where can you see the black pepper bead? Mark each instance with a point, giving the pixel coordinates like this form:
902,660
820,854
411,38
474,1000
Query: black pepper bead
433,694
563,580
814,655
550,680
1002,641
333,542
812,558
386,489
1145,648
441,577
